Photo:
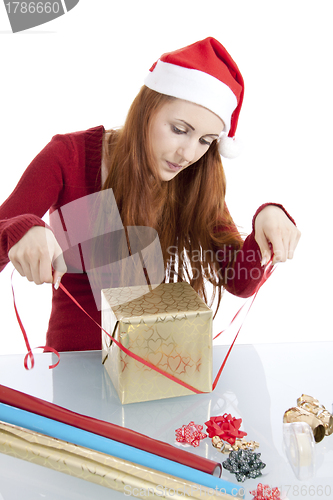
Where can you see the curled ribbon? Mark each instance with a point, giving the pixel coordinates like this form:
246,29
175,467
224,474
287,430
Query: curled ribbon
29,354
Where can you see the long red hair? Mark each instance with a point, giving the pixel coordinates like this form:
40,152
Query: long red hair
188,212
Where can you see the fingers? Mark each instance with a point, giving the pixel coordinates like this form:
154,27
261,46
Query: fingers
274,230
34,255
36,268
283,245
43,272
58,264
264,248
18,267
295,237
56,279
60,269
279,247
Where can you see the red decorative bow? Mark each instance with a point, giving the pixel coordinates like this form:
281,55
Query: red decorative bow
226,427
190,434
265,492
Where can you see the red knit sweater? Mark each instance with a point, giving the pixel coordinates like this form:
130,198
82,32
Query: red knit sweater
69,168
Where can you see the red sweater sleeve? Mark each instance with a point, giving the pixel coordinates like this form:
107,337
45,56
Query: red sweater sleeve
242,270
38,189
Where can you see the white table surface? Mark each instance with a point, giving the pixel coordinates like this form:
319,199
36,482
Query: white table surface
258,384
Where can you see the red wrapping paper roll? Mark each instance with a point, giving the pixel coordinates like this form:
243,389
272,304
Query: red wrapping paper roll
107,429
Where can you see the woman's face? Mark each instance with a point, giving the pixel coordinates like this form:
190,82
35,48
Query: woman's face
181,133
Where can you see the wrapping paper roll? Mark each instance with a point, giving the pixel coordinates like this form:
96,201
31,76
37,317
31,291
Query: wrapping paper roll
107,429
96,467
86,439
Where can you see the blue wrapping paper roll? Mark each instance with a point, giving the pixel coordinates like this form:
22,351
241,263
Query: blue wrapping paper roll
77,436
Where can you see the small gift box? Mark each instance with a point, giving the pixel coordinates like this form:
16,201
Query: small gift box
169,327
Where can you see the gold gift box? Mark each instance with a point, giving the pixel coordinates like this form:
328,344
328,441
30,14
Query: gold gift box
170,327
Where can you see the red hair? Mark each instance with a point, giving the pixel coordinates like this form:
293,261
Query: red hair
188,212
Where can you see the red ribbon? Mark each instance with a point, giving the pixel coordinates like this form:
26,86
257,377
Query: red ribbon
267,272
126,351
29,354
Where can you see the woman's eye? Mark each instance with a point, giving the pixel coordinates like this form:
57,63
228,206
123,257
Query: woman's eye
204,142
177,130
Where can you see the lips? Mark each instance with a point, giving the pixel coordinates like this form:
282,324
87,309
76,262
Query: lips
174,166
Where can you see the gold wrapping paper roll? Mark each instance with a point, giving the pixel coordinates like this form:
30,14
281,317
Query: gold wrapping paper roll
96,467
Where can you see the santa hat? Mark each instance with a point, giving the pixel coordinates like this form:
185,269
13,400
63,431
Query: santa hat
203,73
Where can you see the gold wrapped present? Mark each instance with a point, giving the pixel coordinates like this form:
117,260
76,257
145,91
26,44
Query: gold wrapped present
169,327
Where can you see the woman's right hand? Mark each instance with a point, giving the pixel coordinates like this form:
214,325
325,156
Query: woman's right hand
36,253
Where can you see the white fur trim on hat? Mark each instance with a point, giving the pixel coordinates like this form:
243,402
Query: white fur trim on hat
229,147
194,86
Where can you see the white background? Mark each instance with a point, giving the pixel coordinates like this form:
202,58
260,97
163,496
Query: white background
84,69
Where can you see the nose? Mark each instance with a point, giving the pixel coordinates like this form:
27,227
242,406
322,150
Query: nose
187,151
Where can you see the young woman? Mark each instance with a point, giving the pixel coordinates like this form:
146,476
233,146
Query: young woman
164,168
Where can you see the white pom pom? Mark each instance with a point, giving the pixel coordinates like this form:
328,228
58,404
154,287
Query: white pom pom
229,147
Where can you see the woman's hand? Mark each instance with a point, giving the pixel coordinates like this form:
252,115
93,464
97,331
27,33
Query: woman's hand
272,226
36,253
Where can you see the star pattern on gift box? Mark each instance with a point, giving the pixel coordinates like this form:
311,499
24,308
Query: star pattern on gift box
190,434
226,427
265,492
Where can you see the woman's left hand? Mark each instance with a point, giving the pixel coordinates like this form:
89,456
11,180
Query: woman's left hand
272,226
